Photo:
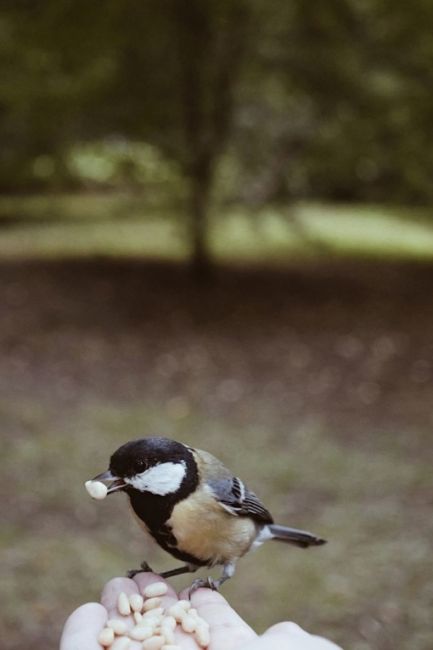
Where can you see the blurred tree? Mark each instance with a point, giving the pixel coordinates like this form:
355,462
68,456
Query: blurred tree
329,99
339,104
162,72
177,64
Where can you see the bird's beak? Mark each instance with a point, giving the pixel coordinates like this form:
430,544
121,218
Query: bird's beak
114,483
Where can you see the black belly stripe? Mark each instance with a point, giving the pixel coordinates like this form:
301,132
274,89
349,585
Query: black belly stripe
165,538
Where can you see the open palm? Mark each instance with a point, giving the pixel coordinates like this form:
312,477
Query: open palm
227,630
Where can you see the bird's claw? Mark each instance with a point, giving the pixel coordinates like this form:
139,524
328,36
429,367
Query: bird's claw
207,583
144,568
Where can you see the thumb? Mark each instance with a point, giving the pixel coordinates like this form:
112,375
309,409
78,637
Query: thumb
82,628
227,629
289,636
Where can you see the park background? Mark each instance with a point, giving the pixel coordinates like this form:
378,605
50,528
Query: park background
216,225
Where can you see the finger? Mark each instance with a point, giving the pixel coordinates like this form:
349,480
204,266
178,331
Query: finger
325,644
284,636
109,597
111,591
227,629
289,635
142,580
82,628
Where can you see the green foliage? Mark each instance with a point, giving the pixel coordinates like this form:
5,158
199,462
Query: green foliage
339,99
121,162
326,99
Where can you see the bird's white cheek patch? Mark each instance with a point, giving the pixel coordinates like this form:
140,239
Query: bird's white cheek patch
161,479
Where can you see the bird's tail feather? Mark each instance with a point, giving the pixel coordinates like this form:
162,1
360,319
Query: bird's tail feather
300,538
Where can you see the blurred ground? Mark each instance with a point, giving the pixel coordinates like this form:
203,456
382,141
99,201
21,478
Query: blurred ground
314,383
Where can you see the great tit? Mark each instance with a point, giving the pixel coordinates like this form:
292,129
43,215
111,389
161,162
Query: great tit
193,507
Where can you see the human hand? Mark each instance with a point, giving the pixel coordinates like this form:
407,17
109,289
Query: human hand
227,629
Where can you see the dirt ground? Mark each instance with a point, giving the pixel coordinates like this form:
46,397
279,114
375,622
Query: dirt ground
314,383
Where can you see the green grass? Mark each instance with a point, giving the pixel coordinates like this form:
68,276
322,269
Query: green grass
121,225
372,230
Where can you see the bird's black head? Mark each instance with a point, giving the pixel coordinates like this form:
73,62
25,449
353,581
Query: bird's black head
158,466
137,456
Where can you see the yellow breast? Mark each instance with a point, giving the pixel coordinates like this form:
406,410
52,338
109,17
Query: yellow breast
205,530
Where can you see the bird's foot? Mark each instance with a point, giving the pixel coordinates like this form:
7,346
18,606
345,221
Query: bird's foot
144,568
207,583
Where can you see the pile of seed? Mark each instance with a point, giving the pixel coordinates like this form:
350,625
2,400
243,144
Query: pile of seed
154,626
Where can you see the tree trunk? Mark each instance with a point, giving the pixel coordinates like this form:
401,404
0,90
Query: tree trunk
201,264
209,46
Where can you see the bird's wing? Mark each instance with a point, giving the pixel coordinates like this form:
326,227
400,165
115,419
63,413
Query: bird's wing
234,496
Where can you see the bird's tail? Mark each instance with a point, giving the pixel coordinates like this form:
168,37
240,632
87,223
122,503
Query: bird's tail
294,536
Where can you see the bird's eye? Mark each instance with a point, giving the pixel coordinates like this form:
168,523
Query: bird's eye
141,465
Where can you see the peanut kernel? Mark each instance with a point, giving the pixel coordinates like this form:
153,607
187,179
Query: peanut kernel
96,489
123,604
106,636
151,603
118,626
136,602
155,589
141,632
154,643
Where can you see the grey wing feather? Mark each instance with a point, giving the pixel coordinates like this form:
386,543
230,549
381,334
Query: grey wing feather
236,498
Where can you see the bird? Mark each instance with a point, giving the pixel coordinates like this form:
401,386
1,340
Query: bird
193,507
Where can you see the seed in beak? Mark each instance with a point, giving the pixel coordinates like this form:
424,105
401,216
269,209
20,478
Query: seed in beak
96,489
